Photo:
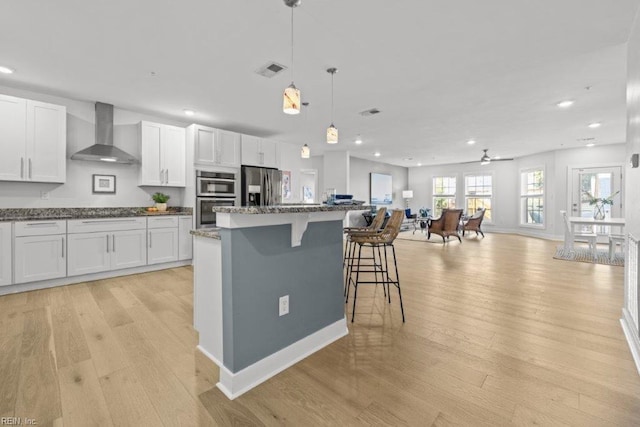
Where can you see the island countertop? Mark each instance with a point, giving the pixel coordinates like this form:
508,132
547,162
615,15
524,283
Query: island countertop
278,209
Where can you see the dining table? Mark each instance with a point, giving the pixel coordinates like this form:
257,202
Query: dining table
580,221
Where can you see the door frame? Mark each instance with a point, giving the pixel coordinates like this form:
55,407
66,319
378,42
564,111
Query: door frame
569,186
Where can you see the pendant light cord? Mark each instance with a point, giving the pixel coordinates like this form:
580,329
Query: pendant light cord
292,45
332,74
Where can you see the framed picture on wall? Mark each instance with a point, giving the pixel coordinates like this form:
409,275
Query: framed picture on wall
381,189
286,184
104,184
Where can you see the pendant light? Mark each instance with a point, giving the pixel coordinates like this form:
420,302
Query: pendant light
305,152
291,97
332,131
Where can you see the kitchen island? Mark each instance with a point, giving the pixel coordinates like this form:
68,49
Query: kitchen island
242,271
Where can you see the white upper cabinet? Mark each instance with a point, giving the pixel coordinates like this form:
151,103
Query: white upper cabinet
259,152
33,140
216,147
163,149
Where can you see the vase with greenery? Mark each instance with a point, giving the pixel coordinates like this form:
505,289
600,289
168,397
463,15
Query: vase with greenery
599,204
161,201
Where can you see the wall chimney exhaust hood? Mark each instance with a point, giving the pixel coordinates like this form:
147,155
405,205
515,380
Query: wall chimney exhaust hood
104,150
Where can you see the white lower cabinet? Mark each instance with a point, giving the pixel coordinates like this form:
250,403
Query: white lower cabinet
40,251
6,254
163,245
186,240
103,245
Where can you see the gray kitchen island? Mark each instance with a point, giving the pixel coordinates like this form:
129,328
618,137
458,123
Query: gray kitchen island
259,263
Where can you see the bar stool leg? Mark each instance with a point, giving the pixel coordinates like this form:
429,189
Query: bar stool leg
355,285
395,262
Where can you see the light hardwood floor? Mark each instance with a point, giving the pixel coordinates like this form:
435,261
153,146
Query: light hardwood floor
497,333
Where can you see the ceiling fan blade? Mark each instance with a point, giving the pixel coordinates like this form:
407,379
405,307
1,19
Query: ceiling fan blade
501,160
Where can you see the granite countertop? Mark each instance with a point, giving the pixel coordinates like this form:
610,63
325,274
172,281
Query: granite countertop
35,214
287,209
212,233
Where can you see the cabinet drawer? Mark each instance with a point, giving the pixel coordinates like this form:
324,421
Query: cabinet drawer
163,222
106,224
40,228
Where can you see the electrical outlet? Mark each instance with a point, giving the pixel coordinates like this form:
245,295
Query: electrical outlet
44,195
284,305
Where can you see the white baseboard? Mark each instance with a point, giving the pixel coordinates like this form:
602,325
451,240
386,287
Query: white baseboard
236,384
62,281
632,339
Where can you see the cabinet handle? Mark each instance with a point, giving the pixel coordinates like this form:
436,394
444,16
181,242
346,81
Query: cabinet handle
62,247
166,174
150,243
113,243
107,236
161,176
107,220
40,224
21,167
29,168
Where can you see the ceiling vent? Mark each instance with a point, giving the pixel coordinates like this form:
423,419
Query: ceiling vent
370,112
270,69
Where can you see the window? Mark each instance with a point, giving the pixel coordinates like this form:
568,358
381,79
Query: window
532,197
444,194
478,192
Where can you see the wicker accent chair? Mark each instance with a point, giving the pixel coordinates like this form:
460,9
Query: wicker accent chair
474,223
447,225
379,241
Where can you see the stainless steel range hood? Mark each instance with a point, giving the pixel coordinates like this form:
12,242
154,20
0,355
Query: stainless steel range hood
104,150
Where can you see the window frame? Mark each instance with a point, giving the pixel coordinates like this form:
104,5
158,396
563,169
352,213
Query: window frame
522,196
435,196
467,196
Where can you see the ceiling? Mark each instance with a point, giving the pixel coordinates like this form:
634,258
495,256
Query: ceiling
440,72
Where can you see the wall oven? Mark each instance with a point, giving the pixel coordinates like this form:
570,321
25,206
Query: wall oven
215,184
213,189
205,218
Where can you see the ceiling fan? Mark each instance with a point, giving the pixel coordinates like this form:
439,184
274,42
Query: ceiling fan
485,159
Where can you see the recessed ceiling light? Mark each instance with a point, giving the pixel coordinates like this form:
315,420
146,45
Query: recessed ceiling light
358,140
419,164
565,104
595,125
496,157
108,159
5,70
591,144
377,154
189,113
471,142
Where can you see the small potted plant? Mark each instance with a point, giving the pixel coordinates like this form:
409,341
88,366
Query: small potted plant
161,201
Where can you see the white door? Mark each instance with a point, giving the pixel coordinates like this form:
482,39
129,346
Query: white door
184,237
162,245
269,151
39,258
173,156
13,126
46,142
150,170
128,249
599,182
5,253
228,148
88,253
251,151
205,139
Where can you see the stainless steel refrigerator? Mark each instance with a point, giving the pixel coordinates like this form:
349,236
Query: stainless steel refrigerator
261,186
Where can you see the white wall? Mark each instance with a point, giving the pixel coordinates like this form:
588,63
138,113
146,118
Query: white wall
506,197
359,179
76,192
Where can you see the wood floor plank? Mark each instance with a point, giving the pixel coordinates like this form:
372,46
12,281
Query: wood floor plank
113,312
82,399
10,361
127,401
71,345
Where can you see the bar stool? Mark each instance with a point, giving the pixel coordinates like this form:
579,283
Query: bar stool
379,242
349,246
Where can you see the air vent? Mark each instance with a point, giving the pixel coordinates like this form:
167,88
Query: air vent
371,112
270,69
585,139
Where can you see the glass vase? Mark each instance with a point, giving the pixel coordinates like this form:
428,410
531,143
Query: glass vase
598,211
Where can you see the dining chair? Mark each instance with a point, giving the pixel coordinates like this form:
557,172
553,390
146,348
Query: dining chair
591,238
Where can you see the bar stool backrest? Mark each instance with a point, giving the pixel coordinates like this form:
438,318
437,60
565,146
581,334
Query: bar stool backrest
392,228
378,220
